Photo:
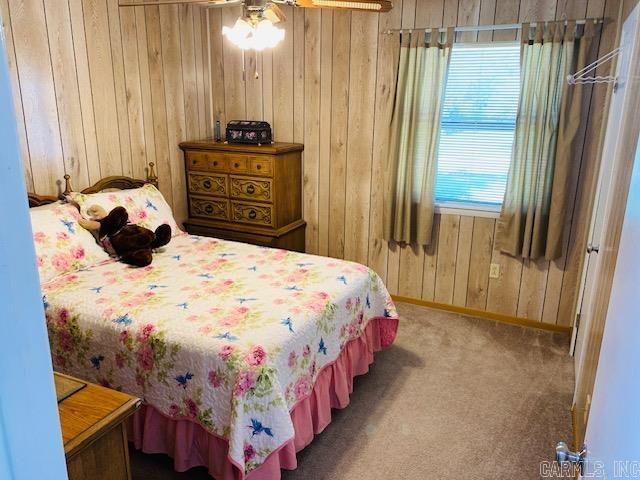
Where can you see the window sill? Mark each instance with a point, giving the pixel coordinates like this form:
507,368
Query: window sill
468,210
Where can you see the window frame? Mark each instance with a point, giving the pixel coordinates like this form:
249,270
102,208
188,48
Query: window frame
468,208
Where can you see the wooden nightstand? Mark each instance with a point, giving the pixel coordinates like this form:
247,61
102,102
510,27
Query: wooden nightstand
246,193
93,431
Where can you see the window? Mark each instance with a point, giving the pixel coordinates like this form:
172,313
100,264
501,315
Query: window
478,125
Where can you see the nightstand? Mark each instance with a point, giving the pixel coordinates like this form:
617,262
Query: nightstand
93,430
246,193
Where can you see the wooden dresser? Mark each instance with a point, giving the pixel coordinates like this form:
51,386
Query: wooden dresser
246,193
93,431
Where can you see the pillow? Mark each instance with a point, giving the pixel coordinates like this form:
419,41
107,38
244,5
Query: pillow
146,205
62,245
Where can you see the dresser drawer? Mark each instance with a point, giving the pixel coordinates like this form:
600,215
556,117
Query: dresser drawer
238,163
213,208
262,165
207,161
252,188
253,213
211,184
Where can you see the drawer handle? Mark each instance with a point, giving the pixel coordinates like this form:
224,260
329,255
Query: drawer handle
236,165
259,167
215,163
207,184
251,189
252,214
208,209
194,161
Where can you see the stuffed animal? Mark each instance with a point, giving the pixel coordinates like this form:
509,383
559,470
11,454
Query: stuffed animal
133,244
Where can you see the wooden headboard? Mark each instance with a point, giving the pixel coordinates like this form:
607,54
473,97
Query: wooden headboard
114,182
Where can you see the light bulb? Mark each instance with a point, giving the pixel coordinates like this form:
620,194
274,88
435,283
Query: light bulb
249,37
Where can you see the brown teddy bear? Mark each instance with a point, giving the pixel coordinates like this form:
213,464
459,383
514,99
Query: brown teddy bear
133,244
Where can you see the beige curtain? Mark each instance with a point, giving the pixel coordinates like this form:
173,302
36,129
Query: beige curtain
547,132
415,127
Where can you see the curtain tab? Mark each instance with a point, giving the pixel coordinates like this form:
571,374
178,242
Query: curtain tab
451,33
525,33
571,31
540,28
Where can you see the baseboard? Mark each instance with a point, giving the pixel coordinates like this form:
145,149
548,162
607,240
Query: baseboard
473,312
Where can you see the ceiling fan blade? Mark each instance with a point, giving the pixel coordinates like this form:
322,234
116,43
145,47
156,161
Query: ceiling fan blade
365,5
274,13
210,3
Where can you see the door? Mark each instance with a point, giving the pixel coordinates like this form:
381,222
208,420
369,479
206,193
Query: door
621,134
613,431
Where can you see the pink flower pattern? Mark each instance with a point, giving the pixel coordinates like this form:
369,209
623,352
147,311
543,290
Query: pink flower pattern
229,346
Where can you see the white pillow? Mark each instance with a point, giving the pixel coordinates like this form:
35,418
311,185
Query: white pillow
146,206
62,245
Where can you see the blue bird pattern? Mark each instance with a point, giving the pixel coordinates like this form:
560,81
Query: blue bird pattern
257,428
272,317
184,379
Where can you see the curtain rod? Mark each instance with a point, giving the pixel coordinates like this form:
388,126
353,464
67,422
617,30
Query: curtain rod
484,28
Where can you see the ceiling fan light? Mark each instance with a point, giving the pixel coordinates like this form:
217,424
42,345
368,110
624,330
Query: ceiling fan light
266,35
248,36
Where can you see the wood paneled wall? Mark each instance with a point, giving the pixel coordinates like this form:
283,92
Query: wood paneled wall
330,85
101,90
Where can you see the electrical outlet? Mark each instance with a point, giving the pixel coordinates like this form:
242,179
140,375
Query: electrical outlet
494,271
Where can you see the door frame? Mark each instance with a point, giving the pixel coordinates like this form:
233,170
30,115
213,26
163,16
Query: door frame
622,159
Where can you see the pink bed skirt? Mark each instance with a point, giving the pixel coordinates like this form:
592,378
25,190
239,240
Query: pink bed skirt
190,445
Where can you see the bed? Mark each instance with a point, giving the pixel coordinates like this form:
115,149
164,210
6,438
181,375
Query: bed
239,352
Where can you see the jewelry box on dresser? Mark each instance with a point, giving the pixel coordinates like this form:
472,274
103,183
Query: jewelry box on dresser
246,193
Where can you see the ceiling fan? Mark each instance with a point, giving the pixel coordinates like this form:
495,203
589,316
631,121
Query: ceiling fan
255,29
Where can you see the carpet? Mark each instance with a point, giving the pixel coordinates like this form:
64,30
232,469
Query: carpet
454,398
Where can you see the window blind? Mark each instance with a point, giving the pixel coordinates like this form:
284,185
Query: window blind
478,124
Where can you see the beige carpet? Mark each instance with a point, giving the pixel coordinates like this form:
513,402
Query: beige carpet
453,398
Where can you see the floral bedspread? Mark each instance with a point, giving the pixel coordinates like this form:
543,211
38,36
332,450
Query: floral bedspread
225,334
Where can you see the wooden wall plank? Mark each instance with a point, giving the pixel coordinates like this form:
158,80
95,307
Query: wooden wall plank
487,17
503,292
267,86
326,74
339,130
85,89
468,14
17,97
66,90
117,62
216,67
364,45
463,261
533,285
447,257
174,97
103,86
429,264
479,262
200,49
233,66
186,48
145,89
429,14
253,86
410,276
312,29
299,49
38,93
158,100
283,82
132,77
